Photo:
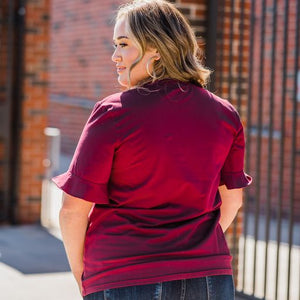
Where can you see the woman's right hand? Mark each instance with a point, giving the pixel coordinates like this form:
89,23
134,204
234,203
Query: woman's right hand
79,281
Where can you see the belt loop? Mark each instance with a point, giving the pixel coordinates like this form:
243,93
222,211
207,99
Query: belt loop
158,291
208,287
183,289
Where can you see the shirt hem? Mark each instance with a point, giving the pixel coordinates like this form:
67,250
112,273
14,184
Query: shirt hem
156,279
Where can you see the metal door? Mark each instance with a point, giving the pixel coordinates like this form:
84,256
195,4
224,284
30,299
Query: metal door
256,61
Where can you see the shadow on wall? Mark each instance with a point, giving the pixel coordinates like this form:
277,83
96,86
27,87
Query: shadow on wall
31,249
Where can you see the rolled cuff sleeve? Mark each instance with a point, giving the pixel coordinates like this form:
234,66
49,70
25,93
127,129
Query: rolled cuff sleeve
232,173
235,180
81,188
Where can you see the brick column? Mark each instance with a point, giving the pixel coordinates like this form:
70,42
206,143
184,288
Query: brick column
34,110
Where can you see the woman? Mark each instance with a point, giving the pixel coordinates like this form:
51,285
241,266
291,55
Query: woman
142,216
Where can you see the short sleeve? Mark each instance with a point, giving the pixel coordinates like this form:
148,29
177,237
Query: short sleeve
232,172
90,168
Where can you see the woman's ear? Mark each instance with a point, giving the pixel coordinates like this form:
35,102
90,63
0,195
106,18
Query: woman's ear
157,55
153,52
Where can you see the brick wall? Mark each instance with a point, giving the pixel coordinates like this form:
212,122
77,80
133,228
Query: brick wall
81,68
34,110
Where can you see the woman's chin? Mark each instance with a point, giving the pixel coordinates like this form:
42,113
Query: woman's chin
123,83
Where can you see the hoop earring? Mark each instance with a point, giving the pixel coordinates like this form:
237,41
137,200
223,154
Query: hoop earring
153,76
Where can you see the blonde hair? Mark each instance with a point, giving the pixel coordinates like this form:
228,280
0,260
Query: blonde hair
158,24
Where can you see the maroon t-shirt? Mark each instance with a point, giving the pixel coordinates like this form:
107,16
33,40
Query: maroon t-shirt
151,161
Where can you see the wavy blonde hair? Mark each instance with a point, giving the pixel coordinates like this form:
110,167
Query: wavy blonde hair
158,24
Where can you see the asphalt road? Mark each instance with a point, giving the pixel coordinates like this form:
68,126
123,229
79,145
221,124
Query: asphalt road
33,265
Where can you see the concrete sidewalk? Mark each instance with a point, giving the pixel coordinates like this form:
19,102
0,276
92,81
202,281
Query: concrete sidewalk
33,265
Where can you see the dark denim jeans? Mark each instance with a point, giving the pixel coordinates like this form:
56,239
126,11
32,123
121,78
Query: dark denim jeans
204,288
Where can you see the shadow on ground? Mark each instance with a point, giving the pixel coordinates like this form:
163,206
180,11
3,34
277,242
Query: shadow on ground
31,250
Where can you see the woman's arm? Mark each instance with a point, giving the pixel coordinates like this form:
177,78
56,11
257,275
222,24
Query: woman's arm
73,219
232,200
